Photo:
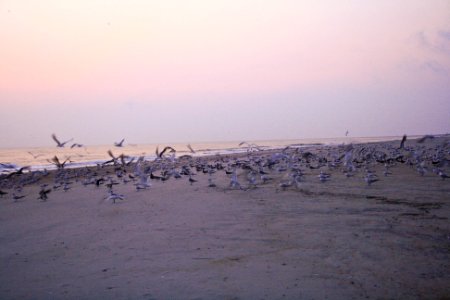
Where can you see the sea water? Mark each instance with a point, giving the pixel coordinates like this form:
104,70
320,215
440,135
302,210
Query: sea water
38,158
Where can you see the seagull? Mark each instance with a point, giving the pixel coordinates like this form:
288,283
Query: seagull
167,148
143,182
424,138
211,183
57,163
113,196
76,145
285,184
234,183
119,144
443,175
18,172
190,148
112,160
370,178
43,193
250,147
17,197
324,176
402,143
192,180
58,143
35,156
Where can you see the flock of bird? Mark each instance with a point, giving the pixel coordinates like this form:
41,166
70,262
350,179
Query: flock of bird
283,169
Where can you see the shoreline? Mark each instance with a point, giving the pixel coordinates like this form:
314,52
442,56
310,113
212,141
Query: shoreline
208,153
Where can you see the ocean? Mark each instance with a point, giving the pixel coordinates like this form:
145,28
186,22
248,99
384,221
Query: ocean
38,157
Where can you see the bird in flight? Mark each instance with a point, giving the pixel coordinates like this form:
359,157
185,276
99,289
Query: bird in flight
76,145
424,138
58,143
119,144
190,148
167,148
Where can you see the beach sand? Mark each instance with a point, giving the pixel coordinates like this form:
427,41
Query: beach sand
339,239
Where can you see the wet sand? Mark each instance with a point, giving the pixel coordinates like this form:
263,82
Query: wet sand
339,239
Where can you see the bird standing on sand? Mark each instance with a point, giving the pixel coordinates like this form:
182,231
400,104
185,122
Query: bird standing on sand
58,143
43,193
443,175
17,197
370,178
324,176
191,180
402,143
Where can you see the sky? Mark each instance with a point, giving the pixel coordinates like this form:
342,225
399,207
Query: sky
203,70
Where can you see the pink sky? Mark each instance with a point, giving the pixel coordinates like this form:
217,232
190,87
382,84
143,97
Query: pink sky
350,64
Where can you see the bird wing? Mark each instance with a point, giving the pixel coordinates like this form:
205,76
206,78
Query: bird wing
67,141
402,143
56,139
190,148
119,144
165,149
111,154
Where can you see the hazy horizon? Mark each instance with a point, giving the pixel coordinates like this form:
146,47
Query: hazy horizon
258,142
191,71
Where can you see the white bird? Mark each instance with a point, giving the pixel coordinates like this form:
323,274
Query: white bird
113,196
234,183
143,182
323,176
370,178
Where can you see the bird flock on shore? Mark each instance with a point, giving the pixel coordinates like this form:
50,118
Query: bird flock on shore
283,169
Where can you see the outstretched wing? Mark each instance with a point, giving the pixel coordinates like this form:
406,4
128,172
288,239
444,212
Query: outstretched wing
166,149
190,148
111,154
56,139
402,143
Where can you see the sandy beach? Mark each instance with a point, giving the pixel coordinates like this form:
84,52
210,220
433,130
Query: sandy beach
339,238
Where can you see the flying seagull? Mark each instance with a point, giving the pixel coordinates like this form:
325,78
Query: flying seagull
424,138
76,145
190,148
35,156
119,144
58,143
167,148
60,165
